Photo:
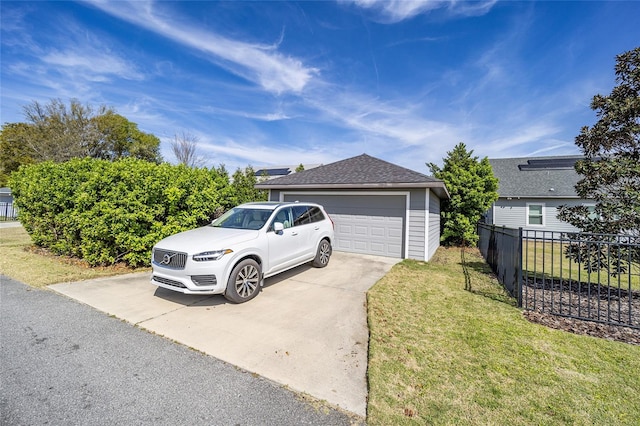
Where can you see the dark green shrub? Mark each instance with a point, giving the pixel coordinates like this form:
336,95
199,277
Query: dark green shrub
107,212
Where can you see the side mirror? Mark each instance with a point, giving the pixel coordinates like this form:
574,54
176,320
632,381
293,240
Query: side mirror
278,227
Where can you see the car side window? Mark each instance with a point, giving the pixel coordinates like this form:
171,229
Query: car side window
315,214
301,215
284,217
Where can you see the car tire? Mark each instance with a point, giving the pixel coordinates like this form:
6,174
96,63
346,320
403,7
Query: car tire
244,282
322,254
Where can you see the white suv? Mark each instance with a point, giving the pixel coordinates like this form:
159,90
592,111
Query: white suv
234,254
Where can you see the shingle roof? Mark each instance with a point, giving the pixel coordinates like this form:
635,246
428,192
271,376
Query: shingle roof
362,171
552,177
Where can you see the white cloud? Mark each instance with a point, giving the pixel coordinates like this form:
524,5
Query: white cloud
91,64
262,64
393,11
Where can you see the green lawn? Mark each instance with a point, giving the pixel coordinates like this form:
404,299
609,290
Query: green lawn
442,354
548,259
22,261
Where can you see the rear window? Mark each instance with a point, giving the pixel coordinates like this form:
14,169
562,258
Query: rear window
303,215
315,214
300,215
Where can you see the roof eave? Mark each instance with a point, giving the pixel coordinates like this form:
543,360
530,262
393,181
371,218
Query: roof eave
540,196
438,187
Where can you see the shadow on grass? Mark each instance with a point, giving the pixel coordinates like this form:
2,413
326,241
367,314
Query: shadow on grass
488,288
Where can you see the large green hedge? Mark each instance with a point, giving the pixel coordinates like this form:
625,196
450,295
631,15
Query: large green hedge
108,212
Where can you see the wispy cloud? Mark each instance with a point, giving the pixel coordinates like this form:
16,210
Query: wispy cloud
262,64
66,64
234,154
393,11
92,63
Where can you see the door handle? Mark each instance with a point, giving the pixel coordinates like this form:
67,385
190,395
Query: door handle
294,233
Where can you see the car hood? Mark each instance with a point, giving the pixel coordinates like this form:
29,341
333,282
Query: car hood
206,238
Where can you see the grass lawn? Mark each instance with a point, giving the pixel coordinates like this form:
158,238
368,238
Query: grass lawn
448,346
548,259
23,262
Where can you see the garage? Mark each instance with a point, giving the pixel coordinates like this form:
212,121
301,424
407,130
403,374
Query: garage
378,208
364,223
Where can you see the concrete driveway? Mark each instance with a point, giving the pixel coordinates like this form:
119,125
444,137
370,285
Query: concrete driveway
306,330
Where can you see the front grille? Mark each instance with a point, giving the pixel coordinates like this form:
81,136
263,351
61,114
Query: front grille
169,259
167,281
203,280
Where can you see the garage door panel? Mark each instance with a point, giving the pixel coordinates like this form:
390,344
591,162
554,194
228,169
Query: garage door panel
377,232
361,230
377,248
394,233
369,224
395,250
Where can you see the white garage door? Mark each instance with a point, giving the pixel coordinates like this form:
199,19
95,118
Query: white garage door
368,224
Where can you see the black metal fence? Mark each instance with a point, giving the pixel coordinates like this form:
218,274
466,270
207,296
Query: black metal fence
8,211
502,247
599,281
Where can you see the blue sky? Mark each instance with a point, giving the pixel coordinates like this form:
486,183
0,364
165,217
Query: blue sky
279,83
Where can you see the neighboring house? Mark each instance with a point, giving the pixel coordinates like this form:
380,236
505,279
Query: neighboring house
5,195
378,208
7,208
277,171
532,189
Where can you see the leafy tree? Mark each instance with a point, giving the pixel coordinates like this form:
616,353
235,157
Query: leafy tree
243,187
119,138
300,168
610,169
472,187
59,132
13,153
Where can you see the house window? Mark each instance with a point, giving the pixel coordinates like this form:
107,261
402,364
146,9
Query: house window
591,208
535,214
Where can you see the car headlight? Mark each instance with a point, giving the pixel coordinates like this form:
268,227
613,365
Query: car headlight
210,255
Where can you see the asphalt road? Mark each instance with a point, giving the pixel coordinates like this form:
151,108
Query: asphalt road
64,363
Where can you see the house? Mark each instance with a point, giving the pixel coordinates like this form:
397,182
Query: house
532,189
277,171
8,210
377,207
5,195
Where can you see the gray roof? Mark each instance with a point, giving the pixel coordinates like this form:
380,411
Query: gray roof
362,171
542,177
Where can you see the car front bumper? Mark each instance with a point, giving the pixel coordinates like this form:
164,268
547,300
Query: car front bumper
201,279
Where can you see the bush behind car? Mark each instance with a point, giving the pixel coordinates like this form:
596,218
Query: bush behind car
107,212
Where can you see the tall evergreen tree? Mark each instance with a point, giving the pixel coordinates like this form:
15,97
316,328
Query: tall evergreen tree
472,187
611,167
610,176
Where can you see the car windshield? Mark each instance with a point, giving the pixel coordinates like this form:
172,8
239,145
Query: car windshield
242,218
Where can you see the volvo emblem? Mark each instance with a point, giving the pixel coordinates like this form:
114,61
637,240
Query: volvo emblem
166,259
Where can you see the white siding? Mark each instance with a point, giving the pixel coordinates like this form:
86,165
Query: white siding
417,227
434,224
513,213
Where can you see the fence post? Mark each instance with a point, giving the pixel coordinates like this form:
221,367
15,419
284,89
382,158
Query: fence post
520,278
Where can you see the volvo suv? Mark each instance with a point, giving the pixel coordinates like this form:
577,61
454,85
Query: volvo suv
236,252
